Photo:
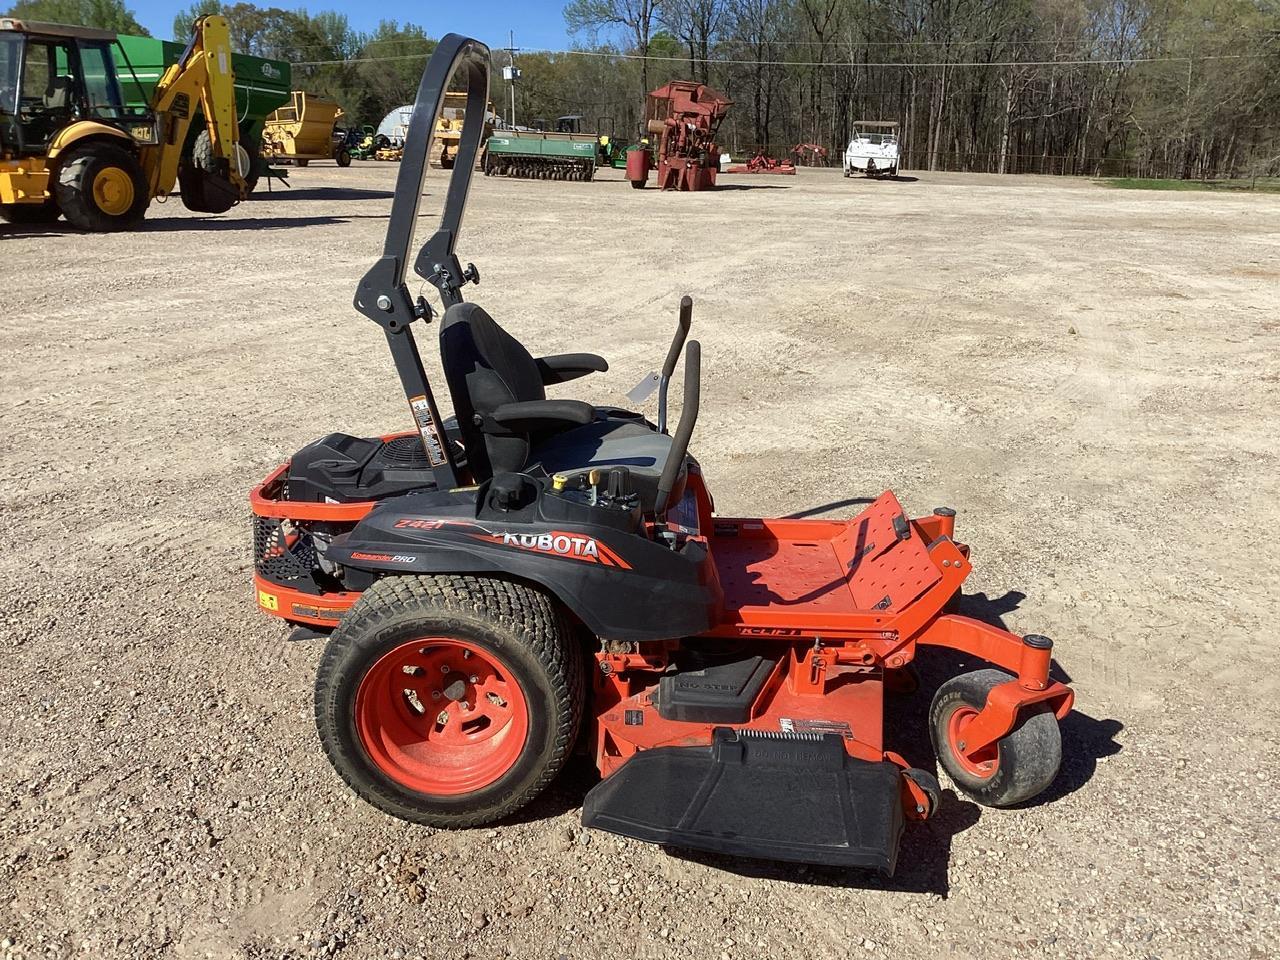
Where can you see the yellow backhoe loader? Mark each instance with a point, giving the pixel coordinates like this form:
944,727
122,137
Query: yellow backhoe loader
70,145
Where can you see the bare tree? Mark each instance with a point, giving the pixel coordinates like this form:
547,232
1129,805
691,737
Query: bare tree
636,16
696,23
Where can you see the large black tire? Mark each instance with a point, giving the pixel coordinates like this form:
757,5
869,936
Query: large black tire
46,212
202,184
343,157
517,626
253,147
79,190
1024,761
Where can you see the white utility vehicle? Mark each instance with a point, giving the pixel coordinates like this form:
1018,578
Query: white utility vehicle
873,149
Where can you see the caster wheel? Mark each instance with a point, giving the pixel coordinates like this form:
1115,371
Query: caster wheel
930,787
1016,767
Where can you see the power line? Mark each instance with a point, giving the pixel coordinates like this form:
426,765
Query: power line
835,64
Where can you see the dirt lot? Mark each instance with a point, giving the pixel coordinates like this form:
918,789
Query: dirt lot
1089,376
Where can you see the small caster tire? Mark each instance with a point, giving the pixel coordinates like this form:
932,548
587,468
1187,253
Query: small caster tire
930,787
1017,767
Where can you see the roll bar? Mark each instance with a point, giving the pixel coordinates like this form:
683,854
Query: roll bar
383,294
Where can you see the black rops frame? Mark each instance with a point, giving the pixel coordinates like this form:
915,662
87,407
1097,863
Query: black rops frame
383,295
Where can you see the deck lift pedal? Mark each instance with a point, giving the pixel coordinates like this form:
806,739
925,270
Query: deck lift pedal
534,574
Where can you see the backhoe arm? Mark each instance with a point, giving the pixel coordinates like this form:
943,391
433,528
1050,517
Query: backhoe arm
202,75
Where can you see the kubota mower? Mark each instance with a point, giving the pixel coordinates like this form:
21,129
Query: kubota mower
533,574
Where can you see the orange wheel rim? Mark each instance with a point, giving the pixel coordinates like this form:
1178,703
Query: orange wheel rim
986,761
441,716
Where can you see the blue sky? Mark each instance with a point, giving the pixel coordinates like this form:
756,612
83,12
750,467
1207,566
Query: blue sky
537,23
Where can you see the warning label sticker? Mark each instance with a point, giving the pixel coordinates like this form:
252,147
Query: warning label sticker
427,430
801,725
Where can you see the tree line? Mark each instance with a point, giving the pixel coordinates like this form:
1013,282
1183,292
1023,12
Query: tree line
1169,88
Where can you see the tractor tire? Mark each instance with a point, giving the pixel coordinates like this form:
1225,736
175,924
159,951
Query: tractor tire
101,188
253,147
450,701
1020,765
203,186
343,158
32,213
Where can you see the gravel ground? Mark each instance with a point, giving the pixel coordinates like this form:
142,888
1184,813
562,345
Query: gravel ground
1090,377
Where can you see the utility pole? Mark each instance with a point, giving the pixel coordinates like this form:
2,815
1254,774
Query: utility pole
511,73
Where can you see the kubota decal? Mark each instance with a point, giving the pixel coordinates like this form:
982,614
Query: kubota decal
557,543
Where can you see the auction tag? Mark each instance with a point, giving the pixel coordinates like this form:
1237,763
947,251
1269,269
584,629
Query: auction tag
643,390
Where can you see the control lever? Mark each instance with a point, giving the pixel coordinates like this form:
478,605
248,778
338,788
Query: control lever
684,429
669,367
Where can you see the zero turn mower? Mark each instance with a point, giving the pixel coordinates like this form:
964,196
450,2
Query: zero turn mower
532,574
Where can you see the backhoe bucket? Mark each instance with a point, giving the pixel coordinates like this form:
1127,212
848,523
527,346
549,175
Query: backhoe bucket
204,192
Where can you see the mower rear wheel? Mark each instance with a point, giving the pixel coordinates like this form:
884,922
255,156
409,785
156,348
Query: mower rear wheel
1016,767
449,701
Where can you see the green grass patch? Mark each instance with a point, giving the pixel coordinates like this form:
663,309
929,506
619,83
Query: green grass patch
1260,185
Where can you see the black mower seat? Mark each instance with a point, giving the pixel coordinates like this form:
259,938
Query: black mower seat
509,425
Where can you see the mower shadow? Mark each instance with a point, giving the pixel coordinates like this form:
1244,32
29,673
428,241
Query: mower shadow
323,193
827,507
564,794
751,186
923,858
990,610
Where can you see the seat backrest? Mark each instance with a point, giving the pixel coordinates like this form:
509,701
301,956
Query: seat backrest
57,93
486,367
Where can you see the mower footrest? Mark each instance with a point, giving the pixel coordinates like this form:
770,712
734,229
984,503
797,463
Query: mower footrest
773,796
